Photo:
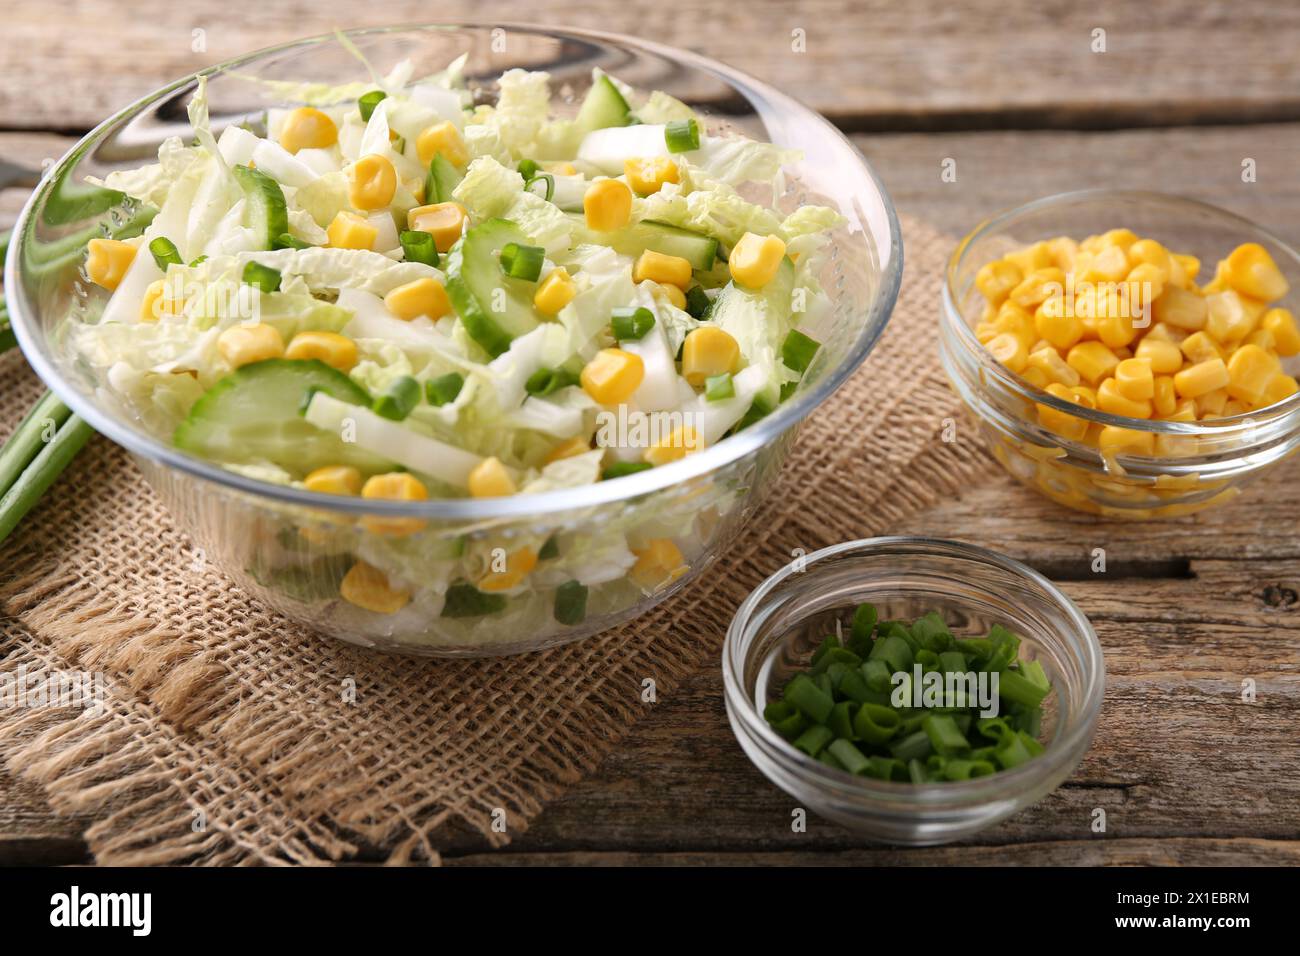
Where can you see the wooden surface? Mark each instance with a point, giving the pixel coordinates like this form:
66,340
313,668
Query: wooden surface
1186,772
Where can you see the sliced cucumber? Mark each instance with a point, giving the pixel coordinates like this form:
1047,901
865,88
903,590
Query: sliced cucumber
442,178
253,415
266,211
699,250
494,308
603,106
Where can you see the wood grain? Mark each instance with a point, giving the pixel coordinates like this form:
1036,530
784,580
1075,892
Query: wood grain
871,64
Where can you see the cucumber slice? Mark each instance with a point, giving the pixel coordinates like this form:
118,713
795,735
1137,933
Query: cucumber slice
266,211
603,106
442,178
699,250
253,415
494,308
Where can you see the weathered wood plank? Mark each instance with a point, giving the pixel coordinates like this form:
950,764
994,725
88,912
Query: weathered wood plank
871,63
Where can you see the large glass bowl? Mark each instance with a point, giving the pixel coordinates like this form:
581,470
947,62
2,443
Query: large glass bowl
290,546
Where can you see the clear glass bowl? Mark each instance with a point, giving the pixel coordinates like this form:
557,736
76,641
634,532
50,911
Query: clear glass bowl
290,546
1196,465
780,624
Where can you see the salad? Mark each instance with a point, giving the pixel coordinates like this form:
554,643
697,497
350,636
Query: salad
391,292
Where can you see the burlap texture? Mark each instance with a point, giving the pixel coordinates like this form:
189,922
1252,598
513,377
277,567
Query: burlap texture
226,736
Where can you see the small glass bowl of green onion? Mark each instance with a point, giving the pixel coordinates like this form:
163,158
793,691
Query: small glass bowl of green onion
843,612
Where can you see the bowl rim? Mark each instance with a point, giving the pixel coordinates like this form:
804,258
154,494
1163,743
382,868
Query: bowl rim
991,368
975,791
629,487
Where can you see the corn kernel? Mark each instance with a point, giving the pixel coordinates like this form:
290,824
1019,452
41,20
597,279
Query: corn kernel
442,139
424,296
709,351
1203,377
755,259
108,261
334,480
518,565
1220,281
1083,395
1279,387
1250,370
1263,338
1059,423
1009,350
1030,258
1160,332
1190,265
1034,376
1164,397
1150,252
560,169
1251,271
577,445
1039,286
159,301
666,270
996,279
350,231
244,344
1014,319
555,292
1165,357
1111,399
372,182
1235,407
660,562
1180,308
1281,324
1108,265
1116,331
394,486
337,351
489,479
445,221
607,205
613,374
1063,251
367,587
675,296
1230,317
308,128
679,443
1093,360
1212,404
1145,284
1199,347
1055,368
647,176
1130,441
1121,238
1134,379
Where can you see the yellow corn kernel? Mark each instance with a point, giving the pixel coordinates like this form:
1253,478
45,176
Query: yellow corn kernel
647,176
755,259
674,295
1263,338
1038,287
1164,397
334,480
308,128
1016,320
1180,308
613,375
445,221
1251,271
1121,238
1150,252
1111,399
985,331
1165,357
1190,265
666,270
1030,258
1203,377
679,443
1280,323
660,562
560,169
1220,281
1212,404
1235,407
372,182
1063,251
424,296
1056,369
709,351
1230,318
1034,376
1126,441
1107,265
489,479
1134,379
1062,330
1250,370
394,486
996,279
1093,360
244,344
607,205
367,587
350,231
337,351
1083,395
1008,349
442,139
1280,386
1160,332
555,292
518,565
1058,422
1145,283
158,301
108,261
577,445
1199,347
1117,330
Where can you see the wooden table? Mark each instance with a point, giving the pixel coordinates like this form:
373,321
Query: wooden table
1020,96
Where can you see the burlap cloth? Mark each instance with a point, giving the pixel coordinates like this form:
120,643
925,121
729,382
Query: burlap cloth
226,736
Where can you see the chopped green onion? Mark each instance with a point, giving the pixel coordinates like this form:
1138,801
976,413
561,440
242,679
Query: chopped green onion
681,136
698,303
809,698
760,409
570,603
528,168
165,253
397,401
197,260
718,388
465,600
262,277
443,389
368,101
551,549
39,472
621,469
850,757
798,350
864,624
814,739
287,240
1019,690
876,723
546,178
522,262
419,246
547,380
945,737
631,323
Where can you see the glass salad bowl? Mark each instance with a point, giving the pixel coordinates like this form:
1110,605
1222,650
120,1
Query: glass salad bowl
292,547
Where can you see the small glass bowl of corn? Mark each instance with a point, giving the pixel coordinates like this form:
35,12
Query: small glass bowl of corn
1129,354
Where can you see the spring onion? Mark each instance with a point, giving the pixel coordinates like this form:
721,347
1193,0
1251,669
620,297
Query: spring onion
681,136
546,178
698,302
262,277
465,600
718,388
621,469
443,389
367,102
397,401
798,350
164,253
528,169
631,323
570,603
522,262
287,240
419,246
547,380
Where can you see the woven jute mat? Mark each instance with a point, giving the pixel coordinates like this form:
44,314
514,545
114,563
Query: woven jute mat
227,734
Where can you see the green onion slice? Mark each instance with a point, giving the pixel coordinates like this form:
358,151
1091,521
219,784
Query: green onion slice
369,101
263,277
419,247
522,262
165,253
681,136
631,323
443,389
